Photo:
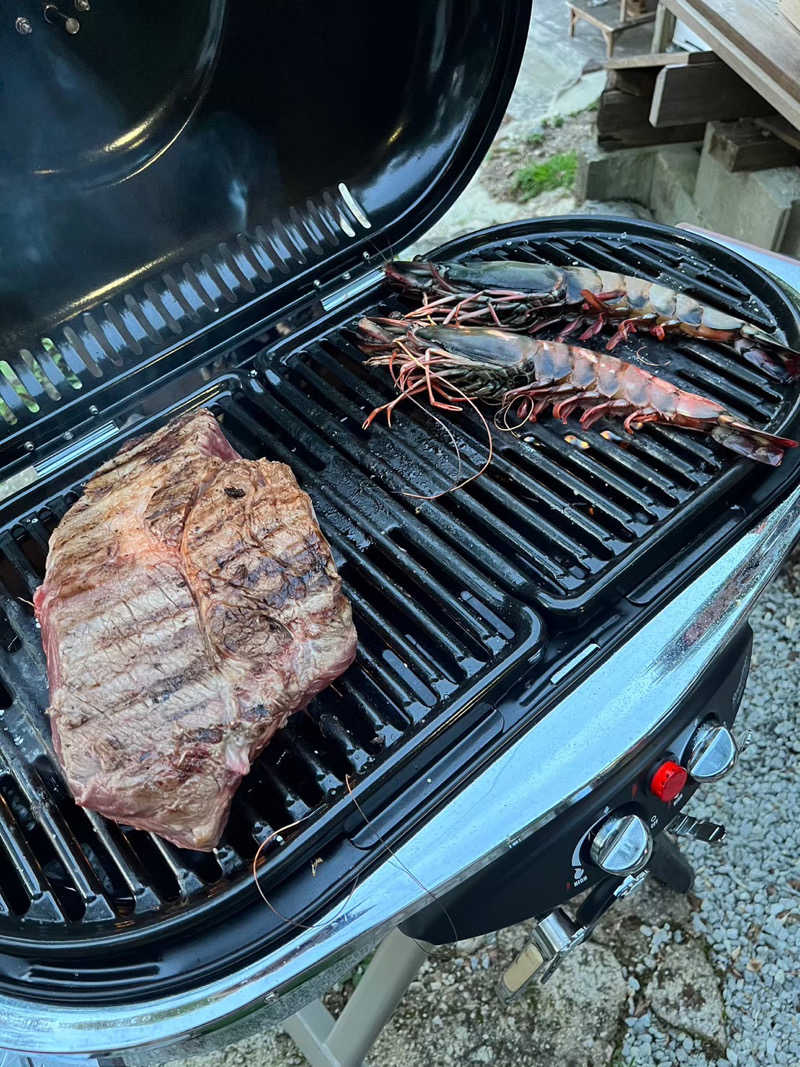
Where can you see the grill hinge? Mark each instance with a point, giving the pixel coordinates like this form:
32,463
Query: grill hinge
353,288
56,461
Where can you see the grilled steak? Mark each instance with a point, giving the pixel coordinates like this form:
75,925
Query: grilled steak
190,606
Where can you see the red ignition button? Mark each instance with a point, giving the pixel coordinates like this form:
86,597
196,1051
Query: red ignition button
668,781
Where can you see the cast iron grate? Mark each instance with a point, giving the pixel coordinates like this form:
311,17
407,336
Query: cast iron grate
574,512
441,589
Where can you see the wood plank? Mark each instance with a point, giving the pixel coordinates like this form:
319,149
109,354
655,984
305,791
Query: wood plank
701,93
617,110
623,122
636,82
659,59
790,9
644,135
777,125
755,40
663,29
744,145
761,32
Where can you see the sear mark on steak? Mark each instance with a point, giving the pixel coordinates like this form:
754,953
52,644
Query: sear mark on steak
190,605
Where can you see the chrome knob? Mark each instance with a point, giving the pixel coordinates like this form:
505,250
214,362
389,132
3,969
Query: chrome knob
712,752
622,845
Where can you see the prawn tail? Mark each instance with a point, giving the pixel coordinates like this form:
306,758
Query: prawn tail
751,442
780,364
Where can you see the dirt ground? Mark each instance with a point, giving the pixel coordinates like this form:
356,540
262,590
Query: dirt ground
559,136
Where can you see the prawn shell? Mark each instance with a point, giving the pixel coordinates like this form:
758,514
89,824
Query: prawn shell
663,396
608,376
694,406
465,363
635,386
584,368
535,278
717,320
486,346
566,285
637,292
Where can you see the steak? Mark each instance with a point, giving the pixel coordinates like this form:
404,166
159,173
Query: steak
190,605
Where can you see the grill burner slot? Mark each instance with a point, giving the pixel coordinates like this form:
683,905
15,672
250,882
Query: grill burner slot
442,590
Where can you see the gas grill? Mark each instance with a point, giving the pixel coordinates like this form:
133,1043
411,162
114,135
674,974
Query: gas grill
532,647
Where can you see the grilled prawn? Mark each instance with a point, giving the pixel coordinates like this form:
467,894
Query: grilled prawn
524,296
454,366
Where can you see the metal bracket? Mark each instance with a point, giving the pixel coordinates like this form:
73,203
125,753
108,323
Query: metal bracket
713,833
56,460
344,1042
551,939
353,288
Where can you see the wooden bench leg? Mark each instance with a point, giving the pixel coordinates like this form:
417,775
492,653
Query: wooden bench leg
663,29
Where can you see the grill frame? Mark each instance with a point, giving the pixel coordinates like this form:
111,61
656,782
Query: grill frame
770,485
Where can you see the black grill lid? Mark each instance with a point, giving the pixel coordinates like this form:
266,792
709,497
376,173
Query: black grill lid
220,147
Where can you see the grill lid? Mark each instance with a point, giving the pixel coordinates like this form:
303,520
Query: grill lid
227,150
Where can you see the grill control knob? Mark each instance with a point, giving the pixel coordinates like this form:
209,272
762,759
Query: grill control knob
712,752
622,845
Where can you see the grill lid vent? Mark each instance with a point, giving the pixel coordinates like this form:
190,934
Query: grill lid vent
168,166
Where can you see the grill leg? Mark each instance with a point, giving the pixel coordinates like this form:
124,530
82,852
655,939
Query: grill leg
346,1041
310,1028
669,866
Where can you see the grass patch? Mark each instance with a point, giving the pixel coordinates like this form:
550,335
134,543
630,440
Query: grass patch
585,110
558,172
358,973
535,140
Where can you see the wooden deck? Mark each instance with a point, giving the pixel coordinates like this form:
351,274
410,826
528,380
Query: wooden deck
755,40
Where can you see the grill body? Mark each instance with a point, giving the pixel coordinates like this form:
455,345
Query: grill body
194,213
478,613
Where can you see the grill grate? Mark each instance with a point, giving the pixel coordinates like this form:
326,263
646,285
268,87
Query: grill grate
446,593
560,508
67,864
